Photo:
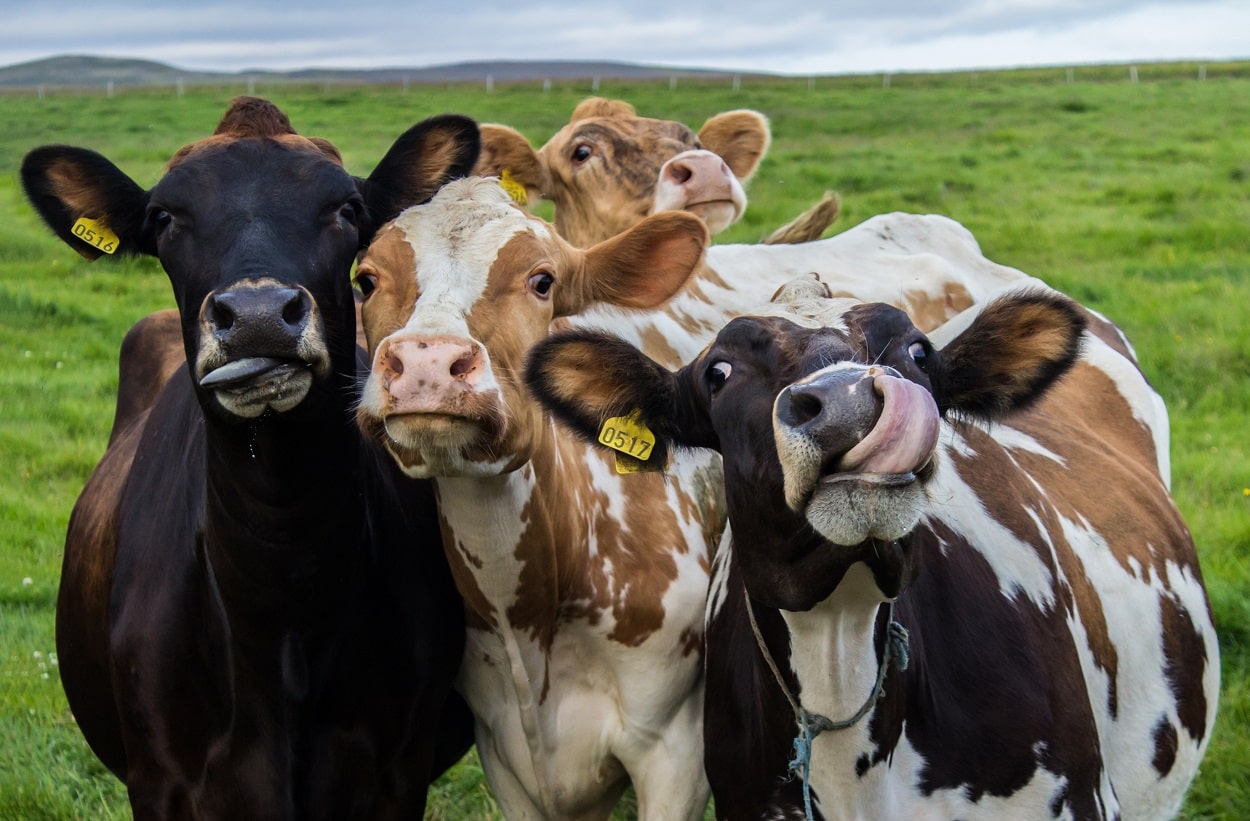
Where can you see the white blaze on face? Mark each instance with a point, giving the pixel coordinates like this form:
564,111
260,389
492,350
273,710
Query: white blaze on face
455,242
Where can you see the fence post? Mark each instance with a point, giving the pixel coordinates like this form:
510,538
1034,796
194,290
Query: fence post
1202,72
1132,73
885,80
490,82
737,83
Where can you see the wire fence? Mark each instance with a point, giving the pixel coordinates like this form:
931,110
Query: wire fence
1199,71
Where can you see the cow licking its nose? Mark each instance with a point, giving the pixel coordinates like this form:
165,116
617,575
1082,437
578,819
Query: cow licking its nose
852,442
834,411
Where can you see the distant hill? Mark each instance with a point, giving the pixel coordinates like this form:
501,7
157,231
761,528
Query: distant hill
87,71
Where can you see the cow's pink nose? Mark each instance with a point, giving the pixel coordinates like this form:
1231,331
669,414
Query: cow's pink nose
685,167
414,364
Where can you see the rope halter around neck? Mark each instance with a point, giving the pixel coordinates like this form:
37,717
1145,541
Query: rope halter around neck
810,725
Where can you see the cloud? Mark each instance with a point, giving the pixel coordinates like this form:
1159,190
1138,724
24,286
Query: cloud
786,37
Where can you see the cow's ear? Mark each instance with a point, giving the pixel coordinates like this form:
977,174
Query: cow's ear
423,159
508,155
87,201
587,379
1014,350
641,267
740,137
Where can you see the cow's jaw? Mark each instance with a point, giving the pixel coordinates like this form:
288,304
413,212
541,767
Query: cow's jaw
856,445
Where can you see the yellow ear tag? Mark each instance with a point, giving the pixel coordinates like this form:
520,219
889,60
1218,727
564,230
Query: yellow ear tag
515,189
95,233
633,441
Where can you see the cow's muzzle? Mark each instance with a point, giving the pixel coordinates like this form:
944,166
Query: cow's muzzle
261,346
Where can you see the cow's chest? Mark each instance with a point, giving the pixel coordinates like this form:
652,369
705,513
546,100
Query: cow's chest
568,721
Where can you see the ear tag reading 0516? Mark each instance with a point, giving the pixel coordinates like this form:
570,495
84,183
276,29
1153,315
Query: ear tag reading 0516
95,234
633,441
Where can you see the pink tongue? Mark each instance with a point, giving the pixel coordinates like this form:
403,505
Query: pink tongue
904,437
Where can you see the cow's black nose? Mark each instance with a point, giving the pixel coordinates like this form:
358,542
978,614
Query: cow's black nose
257,316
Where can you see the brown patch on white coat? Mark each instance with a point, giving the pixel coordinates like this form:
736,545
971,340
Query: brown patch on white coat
587,587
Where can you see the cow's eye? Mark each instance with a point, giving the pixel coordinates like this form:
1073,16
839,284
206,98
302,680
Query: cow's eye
349,212
540,283
366,282
582,152
160,219
718,375
919,352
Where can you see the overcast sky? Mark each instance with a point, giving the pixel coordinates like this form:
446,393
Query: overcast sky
831,37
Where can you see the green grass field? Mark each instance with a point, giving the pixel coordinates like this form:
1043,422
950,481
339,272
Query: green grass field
1132,197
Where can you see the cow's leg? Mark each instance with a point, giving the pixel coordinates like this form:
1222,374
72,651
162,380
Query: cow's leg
669,780
510,794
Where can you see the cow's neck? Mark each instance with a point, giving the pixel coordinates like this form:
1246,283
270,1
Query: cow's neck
282,516
835,657
518,537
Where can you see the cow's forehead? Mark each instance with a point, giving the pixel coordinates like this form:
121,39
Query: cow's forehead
292,175
456,240
631,129
296,142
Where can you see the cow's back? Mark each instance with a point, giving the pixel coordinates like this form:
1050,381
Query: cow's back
929,266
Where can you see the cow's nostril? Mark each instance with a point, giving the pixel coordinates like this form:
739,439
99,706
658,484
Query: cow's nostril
680,172
395,365
295,311
463,366
219,315
804,407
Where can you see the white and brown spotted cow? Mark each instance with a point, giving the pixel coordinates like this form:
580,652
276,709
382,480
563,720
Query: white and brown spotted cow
608,168
1056,657
585,587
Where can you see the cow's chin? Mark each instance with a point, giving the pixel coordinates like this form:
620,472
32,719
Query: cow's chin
430,445
850,511
717,214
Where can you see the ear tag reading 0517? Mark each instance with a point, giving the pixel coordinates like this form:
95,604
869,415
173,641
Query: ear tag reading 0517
515,189
95,234
633,441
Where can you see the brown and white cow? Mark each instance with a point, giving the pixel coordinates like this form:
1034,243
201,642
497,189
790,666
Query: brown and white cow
608,168
585,587
999,500
256,618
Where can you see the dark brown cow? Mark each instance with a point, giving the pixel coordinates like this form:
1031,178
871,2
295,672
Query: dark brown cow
929,617
255,619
